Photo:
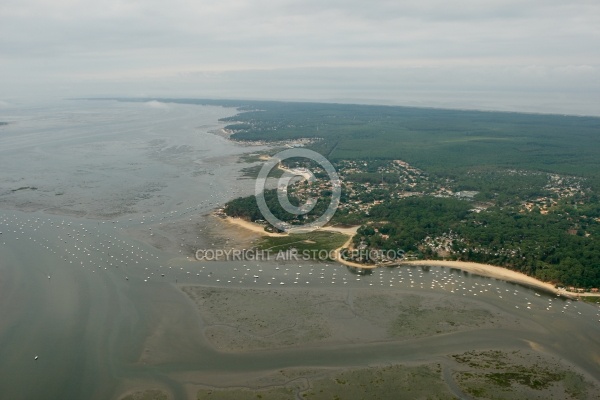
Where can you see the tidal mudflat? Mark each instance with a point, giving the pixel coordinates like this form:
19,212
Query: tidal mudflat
101,207
244,320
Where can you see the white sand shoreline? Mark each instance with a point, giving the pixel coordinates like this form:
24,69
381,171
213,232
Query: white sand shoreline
252,226
491,271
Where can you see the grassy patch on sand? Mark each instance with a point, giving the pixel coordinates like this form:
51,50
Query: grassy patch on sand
590,299
392,382
519,375
304,242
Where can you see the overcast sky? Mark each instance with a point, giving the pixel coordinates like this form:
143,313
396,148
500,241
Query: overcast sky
541,55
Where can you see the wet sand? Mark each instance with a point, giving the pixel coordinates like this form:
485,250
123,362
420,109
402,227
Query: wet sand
442,342
112,322
469,375
245,320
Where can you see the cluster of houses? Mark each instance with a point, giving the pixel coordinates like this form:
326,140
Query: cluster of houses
558,188
573,289
442,245
411,181
291,143
362,196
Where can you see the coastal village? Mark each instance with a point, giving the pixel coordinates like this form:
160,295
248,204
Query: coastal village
367,183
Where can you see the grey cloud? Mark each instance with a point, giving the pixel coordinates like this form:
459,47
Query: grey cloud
305,49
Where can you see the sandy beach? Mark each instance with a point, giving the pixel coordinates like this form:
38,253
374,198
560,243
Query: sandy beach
476,268
258,228
492,272
251,226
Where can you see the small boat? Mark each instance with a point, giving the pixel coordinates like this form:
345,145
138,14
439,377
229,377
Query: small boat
35,358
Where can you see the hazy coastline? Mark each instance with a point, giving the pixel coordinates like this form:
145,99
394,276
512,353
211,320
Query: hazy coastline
123,296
